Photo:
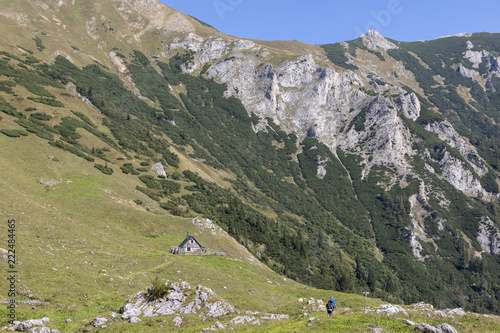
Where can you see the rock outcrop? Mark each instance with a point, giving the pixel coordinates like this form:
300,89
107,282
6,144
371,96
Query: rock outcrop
489,236
158,169
32,325
180,299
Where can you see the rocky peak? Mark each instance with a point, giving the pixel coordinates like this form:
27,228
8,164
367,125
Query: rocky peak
373,40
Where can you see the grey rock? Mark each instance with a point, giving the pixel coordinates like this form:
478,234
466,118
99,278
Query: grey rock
488,237
409,106
178,321
390,309
98,322
409,322
134,320
130,310
278,317
374,40
174,303
214,327
447,328
158,169
242,319
462,70
443,328
42,329
29,324
448,134
458,311
375,329
426,328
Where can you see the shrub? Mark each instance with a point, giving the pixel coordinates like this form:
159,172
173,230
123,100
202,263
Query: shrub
158,289
128,168
104,169
41,116
47,101
11,133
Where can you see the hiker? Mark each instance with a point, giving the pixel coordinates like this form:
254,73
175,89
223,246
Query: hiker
330,306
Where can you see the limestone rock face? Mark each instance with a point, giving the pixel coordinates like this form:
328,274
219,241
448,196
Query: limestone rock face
207,50
409,106
460,176
462,70
448,134
384,138
304,98
478,57
489,236
298,94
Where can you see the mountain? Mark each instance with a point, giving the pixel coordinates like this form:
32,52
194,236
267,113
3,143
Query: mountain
364,165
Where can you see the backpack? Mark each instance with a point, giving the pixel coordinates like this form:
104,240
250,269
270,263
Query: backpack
329,306
332,302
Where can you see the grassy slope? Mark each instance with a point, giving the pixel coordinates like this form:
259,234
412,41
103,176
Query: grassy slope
84,247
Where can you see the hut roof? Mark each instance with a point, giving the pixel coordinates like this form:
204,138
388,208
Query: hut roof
188,238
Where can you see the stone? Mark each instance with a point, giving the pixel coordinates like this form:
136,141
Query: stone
134,320
42,329
174,303
178,321
158,169
447,328
456,312
216,326
426,328
98,322
489,236
278,317
130,310
409,322
409,106
390,309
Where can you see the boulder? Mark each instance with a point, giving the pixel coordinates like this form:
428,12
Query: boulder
98,322
178,321
158,169
390,309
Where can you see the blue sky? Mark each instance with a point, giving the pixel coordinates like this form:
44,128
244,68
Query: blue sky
330,21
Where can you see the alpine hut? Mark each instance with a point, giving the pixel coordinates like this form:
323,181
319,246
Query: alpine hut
189,246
